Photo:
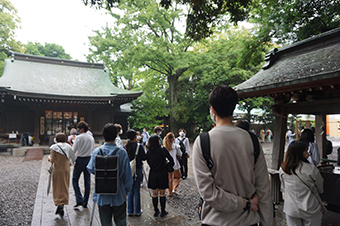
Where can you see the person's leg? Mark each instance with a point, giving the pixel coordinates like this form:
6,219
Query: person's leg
136,189
75,181
105,215
162,200
130,206
119,215
171,175
313,221
87,181
293,221
184,167
155,202
177,179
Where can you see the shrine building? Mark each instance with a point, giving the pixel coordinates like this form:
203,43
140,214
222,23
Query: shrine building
44,95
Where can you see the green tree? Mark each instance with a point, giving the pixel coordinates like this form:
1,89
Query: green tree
294,20
263,103
151,108
49,50
202,16
218,63
9,21
145,37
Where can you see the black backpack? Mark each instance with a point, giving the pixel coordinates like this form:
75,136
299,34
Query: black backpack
107,173
205,146
183,148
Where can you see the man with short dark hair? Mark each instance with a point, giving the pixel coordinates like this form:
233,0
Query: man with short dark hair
113,205
236,191
83,146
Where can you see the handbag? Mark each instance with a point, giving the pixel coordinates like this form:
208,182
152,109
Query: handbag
133,163
169,168
317,197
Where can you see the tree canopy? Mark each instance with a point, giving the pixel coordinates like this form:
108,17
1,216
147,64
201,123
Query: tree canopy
9,21
287,21
145,37
49,50
202,16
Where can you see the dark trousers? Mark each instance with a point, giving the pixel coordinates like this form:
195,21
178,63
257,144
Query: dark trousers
80,167
184,166
118,213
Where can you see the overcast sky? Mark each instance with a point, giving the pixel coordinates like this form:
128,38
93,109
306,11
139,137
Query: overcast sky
64,22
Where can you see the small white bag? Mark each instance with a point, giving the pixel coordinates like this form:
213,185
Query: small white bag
133,163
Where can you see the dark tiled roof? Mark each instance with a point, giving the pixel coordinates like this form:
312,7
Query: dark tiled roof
304,63
36,76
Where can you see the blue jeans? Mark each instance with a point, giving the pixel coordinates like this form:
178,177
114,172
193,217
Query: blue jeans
134,195
118,212
80,167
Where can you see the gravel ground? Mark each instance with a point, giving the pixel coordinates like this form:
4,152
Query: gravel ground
187,200
18,188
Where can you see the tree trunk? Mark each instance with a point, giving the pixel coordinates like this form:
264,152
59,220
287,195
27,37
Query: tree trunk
173,80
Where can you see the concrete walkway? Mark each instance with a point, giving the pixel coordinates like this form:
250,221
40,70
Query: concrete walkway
44,209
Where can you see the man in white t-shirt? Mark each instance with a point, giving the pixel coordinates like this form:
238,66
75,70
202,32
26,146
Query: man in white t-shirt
83,146
183,142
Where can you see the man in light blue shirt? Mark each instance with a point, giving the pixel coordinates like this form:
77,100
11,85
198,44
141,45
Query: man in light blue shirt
146,136
113,205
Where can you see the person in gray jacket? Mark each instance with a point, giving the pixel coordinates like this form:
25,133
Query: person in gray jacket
236,191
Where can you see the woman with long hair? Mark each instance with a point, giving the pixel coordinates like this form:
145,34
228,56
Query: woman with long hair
135,150
175,151
158,176
302,182
307,136
62,156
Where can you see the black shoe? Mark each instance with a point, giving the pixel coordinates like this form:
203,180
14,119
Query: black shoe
58,209
78,204
164,213
156,213
84,205
61,213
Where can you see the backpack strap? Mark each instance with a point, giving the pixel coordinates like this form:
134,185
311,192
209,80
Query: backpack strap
101,152
205,146
256,145
137,149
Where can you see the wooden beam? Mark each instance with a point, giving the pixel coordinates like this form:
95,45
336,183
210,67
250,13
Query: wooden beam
36,125
279,140
320,133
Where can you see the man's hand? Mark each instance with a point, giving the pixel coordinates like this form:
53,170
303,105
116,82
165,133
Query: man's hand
254,201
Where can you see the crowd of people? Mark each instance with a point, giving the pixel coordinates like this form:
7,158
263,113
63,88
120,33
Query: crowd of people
79,150
228,165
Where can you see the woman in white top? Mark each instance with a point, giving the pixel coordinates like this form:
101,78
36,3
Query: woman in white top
174,151
307,136
301,204
62,156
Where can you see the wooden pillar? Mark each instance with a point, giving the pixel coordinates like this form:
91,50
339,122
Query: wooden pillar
320,133
36,125
279,140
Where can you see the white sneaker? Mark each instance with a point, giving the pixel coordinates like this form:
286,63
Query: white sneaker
175,192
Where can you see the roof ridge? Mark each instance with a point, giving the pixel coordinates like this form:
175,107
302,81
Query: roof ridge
54,60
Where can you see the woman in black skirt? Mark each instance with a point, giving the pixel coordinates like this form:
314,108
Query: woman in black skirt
158,177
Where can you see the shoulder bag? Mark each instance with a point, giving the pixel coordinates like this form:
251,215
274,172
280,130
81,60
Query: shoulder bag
169,167
133,162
